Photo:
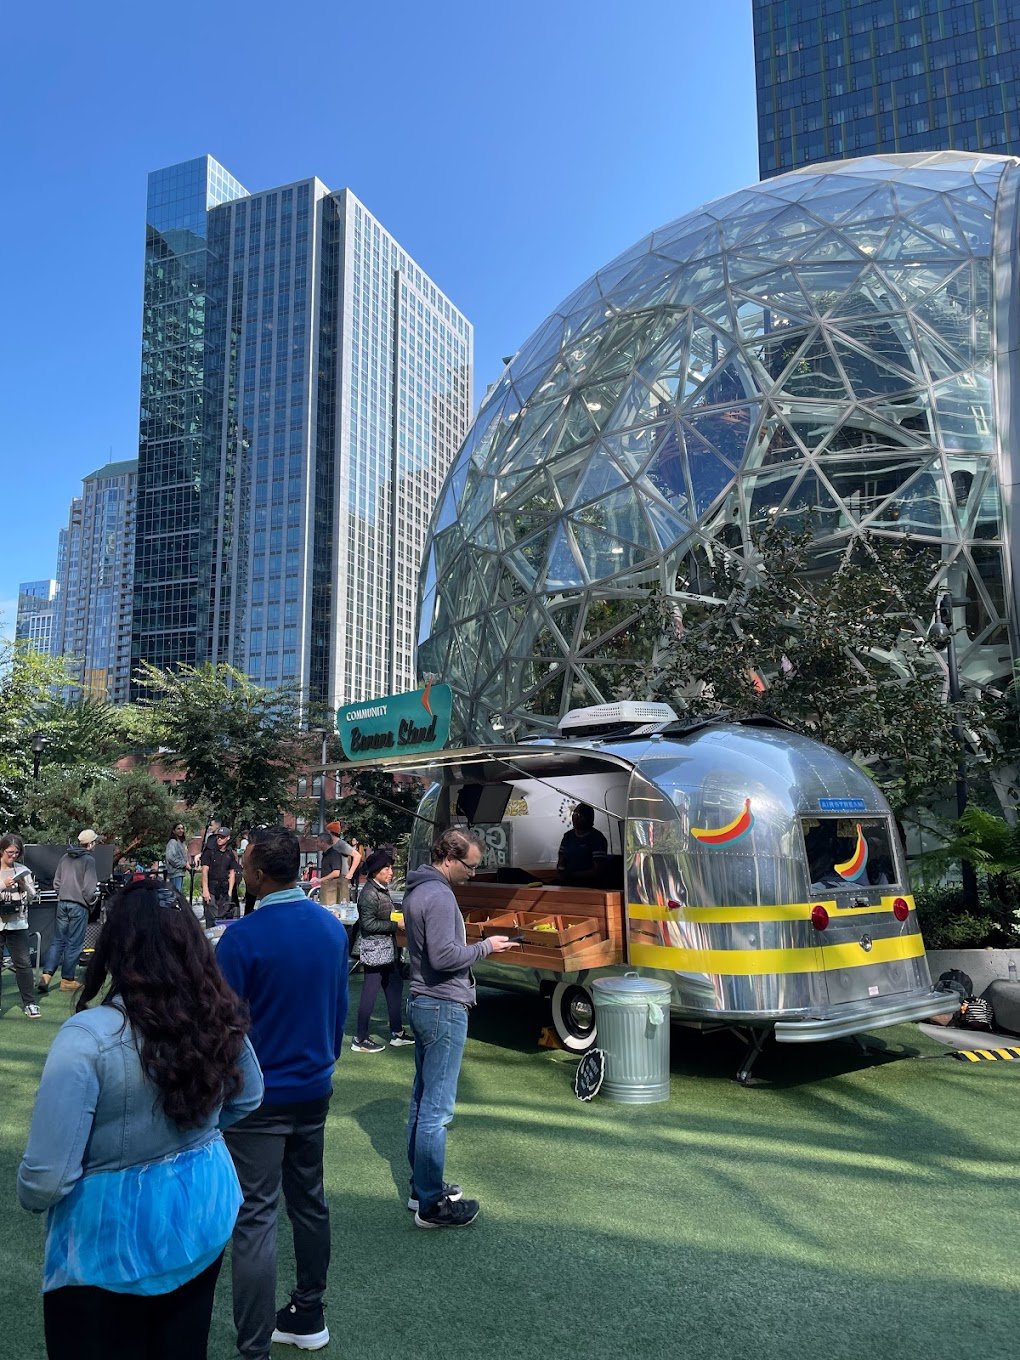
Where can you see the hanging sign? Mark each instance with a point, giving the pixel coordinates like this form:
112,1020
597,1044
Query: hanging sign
396,724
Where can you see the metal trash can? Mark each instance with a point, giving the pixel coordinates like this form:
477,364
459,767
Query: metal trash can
632,1016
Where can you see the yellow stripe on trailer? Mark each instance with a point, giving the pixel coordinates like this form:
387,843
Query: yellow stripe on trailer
760,962
988,1054
792,911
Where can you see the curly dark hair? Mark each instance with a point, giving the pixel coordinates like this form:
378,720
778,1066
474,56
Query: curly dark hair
164,977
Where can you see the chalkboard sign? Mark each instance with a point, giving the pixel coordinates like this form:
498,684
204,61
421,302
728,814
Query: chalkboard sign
590,1072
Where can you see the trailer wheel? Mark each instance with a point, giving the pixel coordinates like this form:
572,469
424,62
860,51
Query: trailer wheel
573,1016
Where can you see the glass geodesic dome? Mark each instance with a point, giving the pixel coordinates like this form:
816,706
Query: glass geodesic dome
832,347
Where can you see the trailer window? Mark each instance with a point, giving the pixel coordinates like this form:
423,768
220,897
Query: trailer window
844,853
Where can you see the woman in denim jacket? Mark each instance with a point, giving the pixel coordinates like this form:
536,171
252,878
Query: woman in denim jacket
125,1152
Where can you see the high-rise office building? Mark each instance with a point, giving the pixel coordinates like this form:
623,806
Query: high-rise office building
174,401
94,572
844,78
326,390
37,607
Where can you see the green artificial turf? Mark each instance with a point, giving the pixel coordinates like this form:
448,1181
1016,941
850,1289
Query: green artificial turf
852,1204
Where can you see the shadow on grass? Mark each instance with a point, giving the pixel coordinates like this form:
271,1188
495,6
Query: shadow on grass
383,1122
513,1020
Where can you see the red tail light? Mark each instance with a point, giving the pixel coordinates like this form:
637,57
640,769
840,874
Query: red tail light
900,908
819,917
673,905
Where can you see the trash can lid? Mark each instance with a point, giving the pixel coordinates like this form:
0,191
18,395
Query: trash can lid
631,988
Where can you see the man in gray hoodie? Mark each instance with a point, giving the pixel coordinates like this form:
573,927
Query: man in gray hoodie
442,992
76,886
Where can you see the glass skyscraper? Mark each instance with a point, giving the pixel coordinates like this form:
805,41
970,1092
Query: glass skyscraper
92,627
168,596
844,78
324,393
37,607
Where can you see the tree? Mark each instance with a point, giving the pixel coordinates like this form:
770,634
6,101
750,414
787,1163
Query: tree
25,680
374,807
137,812
238,745
63,802
91,731
837,653
129,808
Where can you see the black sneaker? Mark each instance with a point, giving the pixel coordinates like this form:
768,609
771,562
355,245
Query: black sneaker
453,1192
368,1045
448,1213
302,1327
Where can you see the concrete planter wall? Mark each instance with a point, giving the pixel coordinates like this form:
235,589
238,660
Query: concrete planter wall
982,966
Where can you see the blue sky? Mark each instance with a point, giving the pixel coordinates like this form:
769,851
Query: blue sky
511,149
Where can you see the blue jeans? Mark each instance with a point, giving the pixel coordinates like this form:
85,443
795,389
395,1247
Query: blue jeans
68,940
177,881
440,1033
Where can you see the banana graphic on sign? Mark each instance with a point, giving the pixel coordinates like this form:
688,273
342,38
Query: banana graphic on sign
732,831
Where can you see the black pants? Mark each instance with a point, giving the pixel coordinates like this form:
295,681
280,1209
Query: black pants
387,976
277,1147
85,1323
219,907
17,943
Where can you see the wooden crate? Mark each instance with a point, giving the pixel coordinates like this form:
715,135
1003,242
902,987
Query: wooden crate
476,921
565,930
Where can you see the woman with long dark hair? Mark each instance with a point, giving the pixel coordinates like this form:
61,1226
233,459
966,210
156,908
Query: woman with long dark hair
125,1150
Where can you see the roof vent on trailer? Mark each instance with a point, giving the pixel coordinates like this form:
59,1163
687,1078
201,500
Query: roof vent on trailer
631,717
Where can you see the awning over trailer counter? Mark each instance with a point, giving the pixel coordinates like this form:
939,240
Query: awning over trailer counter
481,764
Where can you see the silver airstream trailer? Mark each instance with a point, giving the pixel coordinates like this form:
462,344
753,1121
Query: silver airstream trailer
757,871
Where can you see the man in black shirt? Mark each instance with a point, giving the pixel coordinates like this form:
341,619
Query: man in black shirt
219,873
578,848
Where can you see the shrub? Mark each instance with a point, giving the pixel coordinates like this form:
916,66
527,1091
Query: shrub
948,923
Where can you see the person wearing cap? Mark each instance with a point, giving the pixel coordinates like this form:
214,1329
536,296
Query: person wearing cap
219,874
338,866
378,955
76,885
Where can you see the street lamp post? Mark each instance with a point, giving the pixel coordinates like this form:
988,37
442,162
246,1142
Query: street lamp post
322,785
941,635
39,743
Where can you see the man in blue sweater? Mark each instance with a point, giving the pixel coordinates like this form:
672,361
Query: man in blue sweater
288,961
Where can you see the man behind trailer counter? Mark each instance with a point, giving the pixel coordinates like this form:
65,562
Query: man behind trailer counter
442,992
578,848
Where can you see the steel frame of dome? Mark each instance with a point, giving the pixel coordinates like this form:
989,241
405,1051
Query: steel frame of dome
835,347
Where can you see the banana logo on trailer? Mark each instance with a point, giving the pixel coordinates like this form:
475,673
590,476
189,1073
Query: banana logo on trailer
854,867
732,831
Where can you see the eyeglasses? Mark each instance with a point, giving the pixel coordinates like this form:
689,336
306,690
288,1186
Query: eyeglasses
471,868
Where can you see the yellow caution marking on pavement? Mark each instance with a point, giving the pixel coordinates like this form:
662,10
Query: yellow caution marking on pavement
988,1055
